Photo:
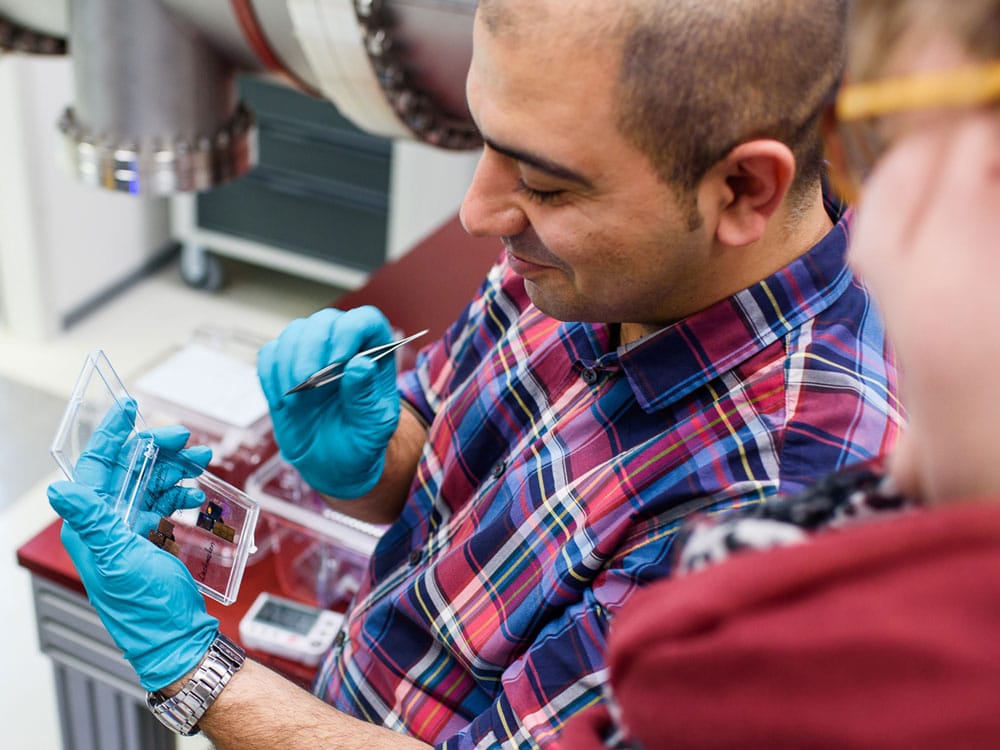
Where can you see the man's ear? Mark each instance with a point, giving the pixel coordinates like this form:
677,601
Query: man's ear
747,187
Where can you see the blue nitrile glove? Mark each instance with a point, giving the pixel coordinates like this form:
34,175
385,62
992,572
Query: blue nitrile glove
145,596
335,435
105,460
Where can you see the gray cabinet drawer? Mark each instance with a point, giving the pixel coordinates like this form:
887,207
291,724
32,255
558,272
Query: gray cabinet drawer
70,632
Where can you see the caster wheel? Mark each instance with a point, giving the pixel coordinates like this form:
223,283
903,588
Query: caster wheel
200,269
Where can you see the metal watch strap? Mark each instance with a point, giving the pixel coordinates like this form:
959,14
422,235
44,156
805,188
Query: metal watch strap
182,712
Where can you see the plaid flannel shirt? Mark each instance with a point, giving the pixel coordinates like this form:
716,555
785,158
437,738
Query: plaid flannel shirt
556,472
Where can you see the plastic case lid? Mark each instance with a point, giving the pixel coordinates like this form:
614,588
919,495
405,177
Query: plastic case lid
212,540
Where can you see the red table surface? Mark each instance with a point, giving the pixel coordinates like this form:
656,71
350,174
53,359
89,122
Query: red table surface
44,556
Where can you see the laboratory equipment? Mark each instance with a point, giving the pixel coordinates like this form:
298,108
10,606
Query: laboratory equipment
395,68
289,629
315,198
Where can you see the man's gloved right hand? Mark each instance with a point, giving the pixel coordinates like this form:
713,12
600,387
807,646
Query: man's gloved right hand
336,435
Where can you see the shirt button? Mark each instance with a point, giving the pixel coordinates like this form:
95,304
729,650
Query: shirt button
415,556
589,375
498,469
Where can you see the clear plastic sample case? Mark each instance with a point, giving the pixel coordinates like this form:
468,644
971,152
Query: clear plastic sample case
213,540
321,556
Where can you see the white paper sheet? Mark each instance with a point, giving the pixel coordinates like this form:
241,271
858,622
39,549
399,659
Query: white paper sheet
208,382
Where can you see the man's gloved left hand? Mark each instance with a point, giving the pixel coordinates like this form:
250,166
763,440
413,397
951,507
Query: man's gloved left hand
145,596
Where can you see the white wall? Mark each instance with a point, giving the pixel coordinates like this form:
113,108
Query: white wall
426,189
62,244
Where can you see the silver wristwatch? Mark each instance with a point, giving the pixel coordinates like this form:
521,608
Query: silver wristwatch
182,712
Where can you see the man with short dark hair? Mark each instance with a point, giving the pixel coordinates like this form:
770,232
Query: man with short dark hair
737,69
671,327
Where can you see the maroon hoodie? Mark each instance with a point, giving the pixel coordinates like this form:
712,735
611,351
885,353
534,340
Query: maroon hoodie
881,635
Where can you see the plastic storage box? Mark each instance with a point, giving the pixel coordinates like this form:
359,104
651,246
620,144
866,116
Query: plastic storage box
212,540
320,555
209,384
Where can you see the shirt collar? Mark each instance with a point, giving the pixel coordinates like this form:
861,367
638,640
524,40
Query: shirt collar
669,364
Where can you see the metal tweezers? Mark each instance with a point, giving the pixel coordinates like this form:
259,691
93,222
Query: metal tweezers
335,370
